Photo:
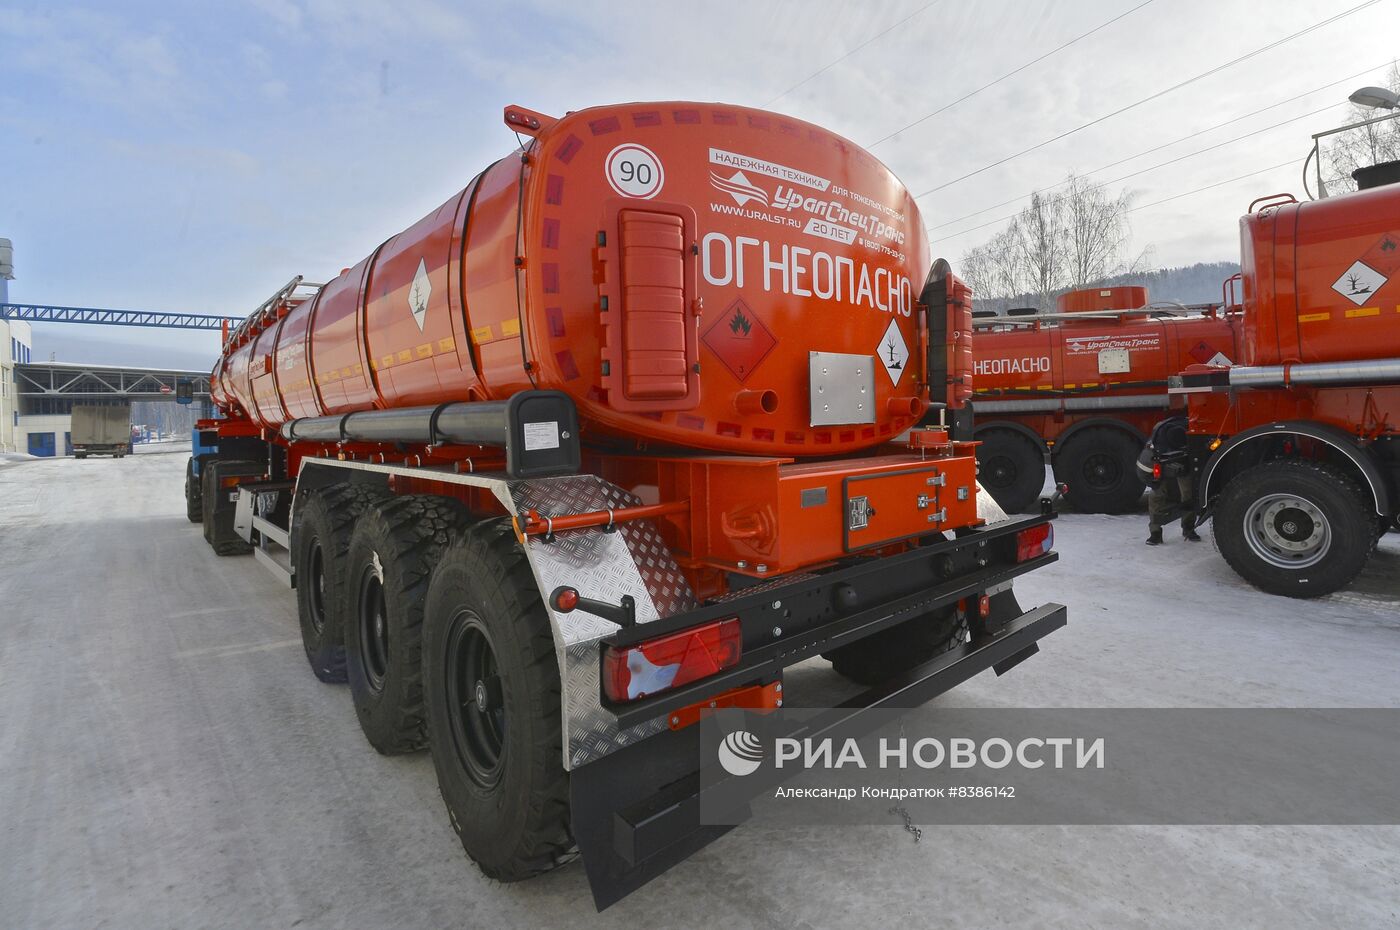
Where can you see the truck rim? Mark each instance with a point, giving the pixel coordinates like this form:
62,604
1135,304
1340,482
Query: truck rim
1000,471
316,567
374,629
475,708
1102,471
1287,531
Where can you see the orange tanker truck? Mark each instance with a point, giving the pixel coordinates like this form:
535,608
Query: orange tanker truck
616,435
1084,385
1298,444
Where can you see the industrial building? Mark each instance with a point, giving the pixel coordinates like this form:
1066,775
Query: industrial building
17,338
46,392
37,398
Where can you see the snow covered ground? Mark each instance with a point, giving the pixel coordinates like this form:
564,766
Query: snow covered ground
166,758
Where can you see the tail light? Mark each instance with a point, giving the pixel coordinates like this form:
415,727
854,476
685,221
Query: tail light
1156,471
632,672
1035,541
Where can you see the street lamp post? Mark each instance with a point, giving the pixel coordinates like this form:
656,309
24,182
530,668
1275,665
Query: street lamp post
1377,98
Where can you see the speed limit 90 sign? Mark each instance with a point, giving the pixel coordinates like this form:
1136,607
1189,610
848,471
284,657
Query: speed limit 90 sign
634,171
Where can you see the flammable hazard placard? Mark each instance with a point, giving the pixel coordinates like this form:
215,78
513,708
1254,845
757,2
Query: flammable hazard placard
739,339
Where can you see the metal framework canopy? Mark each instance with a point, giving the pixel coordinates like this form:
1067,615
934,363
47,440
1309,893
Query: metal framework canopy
40,313
112,382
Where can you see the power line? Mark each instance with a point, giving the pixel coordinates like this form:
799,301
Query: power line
1009,74
1205,74
1158,148
1198,190
1141,171
828,66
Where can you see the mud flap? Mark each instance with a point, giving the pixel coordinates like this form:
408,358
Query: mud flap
636,811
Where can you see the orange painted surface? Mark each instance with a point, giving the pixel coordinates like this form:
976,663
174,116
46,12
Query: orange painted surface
1322,279
654,237
1102,298
1361,410
777,514
1026,362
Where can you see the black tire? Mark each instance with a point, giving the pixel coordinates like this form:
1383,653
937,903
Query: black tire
877,658
392,553
1011,468
194,502
1100,466
80,456
320,541
1294,527
505,787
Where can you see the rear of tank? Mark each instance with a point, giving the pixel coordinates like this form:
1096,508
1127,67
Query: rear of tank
716,277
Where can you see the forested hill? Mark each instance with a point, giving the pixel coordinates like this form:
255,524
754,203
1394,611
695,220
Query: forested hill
1190,284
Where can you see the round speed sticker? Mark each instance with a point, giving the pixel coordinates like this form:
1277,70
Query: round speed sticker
634,171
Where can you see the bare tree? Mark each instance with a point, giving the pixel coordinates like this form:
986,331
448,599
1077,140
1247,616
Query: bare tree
1365,145
1097,231
1075,238
976,269
1040,241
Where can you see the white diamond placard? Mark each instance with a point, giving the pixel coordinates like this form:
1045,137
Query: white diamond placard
419,292
1359,282
893,352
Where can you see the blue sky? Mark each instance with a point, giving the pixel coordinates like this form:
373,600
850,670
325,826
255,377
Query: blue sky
191,156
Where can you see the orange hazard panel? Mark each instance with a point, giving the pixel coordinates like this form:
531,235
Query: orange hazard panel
652,346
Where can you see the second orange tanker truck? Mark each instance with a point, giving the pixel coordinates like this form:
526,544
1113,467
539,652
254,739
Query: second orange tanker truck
618,434
1084,386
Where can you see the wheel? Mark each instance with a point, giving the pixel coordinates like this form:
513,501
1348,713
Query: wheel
194,503
910,644
80,456
1011,469
1100,466
491,682
320,541
392,553
1296,528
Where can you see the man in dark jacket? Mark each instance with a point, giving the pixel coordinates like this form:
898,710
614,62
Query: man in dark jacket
1167,468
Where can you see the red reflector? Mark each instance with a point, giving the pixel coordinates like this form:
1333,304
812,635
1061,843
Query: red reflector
1035,541
565,599
667,662
984,606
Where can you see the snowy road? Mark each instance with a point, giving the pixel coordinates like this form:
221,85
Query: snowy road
167,760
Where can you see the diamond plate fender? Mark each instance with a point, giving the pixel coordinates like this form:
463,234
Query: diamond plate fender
631,560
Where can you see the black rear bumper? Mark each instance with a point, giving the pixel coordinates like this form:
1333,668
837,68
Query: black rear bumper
636,811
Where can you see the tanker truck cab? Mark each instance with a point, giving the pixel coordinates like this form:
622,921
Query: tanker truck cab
1297,443
620,433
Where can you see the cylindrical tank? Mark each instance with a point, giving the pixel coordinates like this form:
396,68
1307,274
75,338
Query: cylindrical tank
1322,279
1102,298
684,271
1126,354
